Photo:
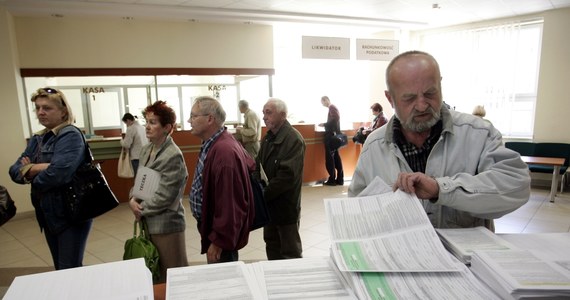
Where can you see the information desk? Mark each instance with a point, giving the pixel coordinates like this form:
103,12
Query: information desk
106,151
556,162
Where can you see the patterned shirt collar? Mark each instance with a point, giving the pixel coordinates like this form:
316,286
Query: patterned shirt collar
416,157
196,191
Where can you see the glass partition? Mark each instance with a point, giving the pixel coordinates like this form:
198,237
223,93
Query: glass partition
99,102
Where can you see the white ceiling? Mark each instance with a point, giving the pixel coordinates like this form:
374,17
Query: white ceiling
410,14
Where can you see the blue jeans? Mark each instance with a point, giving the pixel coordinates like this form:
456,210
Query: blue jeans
67,248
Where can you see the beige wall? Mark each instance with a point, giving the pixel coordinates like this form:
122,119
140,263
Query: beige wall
11,129
552,118
106,43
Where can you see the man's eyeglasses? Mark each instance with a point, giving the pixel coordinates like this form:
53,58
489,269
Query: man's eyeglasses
192,116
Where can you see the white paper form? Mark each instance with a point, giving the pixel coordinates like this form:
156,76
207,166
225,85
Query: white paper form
385,233
403,286
305,278
229,280
128,279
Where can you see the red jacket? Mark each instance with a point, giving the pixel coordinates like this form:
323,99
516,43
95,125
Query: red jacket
227,208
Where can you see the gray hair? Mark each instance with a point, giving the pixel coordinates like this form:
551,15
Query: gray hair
404,55
280,105
243,104
211,106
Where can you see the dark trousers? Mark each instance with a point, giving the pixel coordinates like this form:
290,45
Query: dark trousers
332,163
135,164
282,241
226,255
67,247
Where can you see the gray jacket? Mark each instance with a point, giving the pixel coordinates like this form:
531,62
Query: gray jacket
164,213
478,177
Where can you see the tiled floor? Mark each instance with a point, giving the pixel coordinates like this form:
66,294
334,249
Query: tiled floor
22,244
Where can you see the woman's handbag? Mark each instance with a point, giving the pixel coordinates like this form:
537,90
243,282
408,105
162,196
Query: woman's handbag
88,195
141,246
7,206
125,168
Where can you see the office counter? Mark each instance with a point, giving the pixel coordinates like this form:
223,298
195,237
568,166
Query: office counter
107,150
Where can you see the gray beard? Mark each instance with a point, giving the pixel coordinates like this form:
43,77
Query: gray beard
411,125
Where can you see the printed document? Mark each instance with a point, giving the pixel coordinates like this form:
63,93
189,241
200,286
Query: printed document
522,274
389,232
232,280
461,242
302,278
415,285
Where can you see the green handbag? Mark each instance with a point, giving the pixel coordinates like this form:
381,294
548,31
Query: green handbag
141,246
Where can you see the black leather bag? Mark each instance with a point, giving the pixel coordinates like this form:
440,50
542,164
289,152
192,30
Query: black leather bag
7,206
338,141
88,195
261,217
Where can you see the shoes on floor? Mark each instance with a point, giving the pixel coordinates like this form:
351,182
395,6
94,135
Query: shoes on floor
329,182
339,182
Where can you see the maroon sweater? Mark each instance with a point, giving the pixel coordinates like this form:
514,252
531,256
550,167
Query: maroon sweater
227,212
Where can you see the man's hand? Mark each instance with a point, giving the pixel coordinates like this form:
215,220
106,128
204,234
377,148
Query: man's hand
214,253
418,183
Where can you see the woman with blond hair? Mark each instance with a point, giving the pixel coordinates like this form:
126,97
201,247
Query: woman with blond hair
48,163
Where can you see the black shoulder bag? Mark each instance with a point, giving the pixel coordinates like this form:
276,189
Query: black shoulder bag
7,206
88,195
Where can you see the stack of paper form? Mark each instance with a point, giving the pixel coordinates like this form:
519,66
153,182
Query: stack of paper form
306,278
387,249
128,279
461,242
522,274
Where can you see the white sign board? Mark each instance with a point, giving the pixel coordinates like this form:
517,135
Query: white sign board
367,49
326,47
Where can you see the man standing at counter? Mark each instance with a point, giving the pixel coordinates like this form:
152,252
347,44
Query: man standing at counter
332,157
221,194
280,165
454,161
250,133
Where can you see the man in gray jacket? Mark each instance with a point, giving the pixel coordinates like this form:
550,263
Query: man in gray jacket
455,162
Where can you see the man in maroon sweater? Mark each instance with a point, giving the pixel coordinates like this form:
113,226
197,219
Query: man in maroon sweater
221,195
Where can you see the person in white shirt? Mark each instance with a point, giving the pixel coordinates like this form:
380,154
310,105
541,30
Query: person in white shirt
134,140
